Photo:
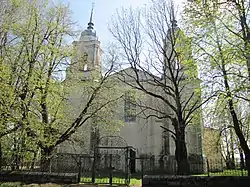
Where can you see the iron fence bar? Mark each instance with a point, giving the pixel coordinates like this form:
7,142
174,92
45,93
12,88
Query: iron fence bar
208,169
110,169
94,167
126,166
142,169
80,170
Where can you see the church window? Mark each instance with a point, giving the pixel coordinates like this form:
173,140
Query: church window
165,145
130,107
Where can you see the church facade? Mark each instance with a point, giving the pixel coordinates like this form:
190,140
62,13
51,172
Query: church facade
139,129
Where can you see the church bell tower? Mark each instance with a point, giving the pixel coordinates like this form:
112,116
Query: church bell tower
85,68
87,62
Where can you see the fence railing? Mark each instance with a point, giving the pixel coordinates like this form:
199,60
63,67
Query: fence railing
112,167
216,167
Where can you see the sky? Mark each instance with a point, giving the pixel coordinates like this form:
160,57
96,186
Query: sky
103,11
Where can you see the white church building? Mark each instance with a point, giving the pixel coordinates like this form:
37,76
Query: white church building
144,135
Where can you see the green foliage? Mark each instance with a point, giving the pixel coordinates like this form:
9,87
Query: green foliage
34,100
218,31
183,48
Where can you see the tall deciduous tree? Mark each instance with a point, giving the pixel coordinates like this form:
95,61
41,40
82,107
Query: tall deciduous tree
220,59
34,49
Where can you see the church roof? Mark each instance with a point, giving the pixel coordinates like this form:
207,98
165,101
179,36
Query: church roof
130,75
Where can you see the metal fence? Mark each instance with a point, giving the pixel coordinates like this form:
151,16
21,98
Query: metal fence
215,167
112,167
120,168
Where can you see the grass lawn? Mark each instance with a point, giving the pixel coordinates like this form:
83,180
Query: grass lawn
115,180
138,181
226,173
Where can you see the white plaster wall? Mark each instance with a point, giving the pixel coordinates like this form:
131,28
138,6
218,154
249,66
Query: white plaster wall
143,134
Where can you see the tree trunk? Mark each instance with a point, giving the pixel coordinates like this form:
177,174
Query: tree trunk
239,133
248,66
247,160
237,129
46,156
33,160
242,160
228,154
183,167
232,149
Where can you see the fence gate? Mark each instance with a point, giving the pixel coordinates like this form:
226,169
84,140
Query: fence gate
111,161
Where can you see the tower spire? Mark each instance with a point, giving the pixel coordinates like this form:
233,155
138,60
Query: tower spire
91,24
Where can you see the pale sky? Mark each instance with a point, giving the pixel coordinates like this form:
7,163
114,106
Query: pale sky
103,10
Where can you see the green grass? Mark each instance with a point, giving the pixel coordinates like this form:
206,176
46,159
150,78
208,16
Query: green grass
138,181
135,181
226,173
115,180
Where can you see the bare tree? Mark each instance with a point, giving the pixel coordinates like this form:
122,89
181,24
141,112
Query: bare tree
160,55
